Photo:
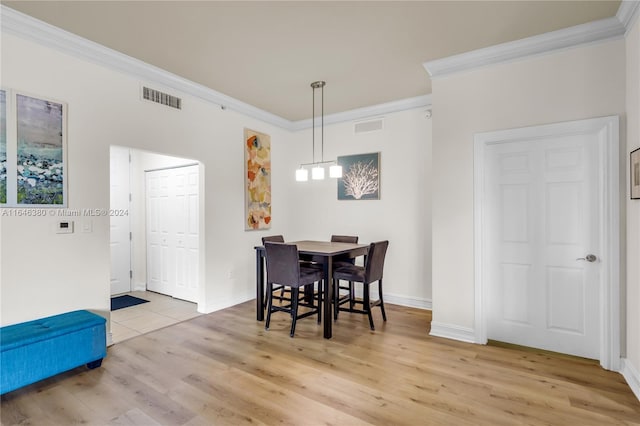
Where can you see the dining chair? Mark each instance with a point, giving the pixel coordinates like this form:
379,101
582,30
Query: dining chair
369,273
283,268
281,297
338,262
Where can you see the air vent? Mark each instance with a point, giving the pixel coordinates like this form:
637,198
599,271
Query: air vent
161,98
368,126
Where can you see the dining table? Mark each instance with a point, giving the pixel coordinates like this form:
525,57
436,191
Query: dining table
323,252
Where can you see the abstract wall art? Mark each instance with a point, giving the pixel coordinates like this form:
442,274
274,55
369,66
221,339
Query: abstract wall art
257,160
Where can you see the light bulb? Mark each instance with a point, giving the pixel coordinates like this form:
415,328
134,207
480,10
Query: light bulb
317,173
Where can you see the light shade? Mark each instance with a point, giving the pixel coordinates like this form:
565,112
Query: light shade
317,173
302,175
335,171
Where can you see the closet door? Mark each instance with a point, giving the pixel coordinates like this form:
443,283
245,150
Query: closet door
173,232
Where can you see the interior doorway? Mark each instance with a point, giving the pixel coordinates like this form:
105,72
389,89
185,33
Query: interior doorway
135,272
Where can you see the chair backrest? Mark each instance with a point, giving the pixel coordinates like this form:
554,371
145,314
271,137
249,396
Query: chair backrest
375,261
273,238
344,239
282,263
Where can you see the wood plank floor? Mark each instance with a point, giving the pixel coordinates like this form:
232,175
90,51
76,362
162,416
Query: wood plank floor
225,369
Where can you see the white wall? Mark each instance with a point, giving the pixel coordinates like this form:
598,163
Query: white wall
633,206
43,273
403,213
572,84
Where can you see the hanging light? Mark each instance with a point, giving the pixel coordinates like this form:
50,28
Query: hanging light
302,174
317,168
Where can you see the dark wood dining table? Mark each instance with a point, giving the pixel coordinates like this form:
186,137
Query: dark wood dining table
322,252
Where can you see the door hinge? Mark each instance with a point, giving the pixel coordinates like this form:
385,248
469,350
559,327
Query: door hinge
130,274
130,236
129,197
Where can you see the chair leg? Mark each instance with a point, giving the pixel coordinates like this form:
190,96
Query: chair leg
269,305
319,301
294,309
336,297
352,296
384,315
367,304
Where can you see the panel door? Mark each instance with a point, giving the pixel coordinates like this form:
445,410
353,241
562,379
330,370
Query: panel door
119,226
186,180
160,268
172,232
543,213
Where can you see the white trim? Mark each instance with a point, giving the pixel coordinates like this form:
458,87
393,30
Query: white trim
631,375
451,331
109,339
29,28
608,130
596,31
628,13
368,112
411,302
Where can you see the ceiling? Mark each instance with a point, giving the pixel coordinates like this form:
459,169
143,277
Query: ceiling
267,53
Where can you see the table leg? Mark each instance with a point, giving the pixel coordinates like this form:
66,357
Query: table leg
259,285
327,297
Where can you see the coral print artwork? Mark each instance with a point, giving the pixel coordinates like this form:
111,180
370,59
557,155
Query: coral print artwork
360,177
257,180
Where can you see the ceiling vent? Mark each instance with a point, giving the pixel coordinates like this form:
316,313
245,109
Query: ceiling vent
368,126
161,98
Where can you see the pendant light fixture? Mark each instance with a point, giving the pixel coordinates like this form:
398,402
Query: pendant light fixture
317,168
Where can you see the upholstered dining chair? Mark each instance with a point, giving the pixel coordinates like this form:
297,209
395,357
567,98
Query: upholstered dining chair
343,261
283,268
281,297
370,273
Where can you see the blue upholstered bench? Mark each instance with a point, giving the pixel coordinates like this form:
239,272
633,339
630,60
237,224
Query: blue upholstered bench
38,349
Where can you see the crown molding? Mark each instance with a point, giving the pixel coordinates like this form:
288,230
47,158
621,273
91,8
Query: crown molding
596,31
27,27
370,111
628,13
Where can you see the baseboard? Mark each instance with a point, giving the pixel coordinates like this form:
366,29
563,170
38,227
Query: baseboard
109,338
454,332
411,302
631,375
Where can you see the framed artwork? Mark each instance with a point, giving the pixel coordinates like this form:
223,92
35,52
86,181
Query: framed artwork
635,174
3,146
360,177
40,135
257,189
33,170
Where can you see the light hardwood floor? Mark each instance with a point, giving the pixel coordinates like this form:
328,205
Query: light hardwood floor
225,369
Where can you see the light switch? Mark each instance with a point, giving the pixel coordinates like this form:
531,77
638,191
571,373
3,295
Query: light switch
87,226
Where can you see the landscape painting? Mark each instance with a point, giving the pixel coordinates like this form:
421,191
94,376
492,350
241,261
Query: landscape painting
360,177
257,156
3,147
41,170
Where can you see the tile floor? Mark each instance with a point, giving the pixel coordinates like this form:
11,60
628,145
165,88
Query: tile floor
161,311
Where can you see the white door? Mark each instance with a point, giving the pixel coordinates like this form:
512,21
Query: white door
172,232
542,211
119,223
186,182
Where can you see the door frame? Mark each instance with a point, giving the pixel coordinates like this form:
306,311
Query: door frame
607,130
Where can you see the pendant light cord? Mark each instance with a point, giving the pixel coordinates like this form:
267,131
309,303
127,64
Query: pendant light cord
313,124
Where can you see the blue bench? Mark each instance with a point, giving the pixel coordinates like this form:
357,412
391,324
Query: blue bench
38,349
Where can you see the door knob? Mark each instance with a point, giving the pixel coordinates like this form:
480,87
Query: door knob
588,258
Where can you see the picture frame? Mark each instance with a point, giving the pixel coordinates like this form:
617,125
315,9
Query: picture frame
634,164
33,150
360,177
257,180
